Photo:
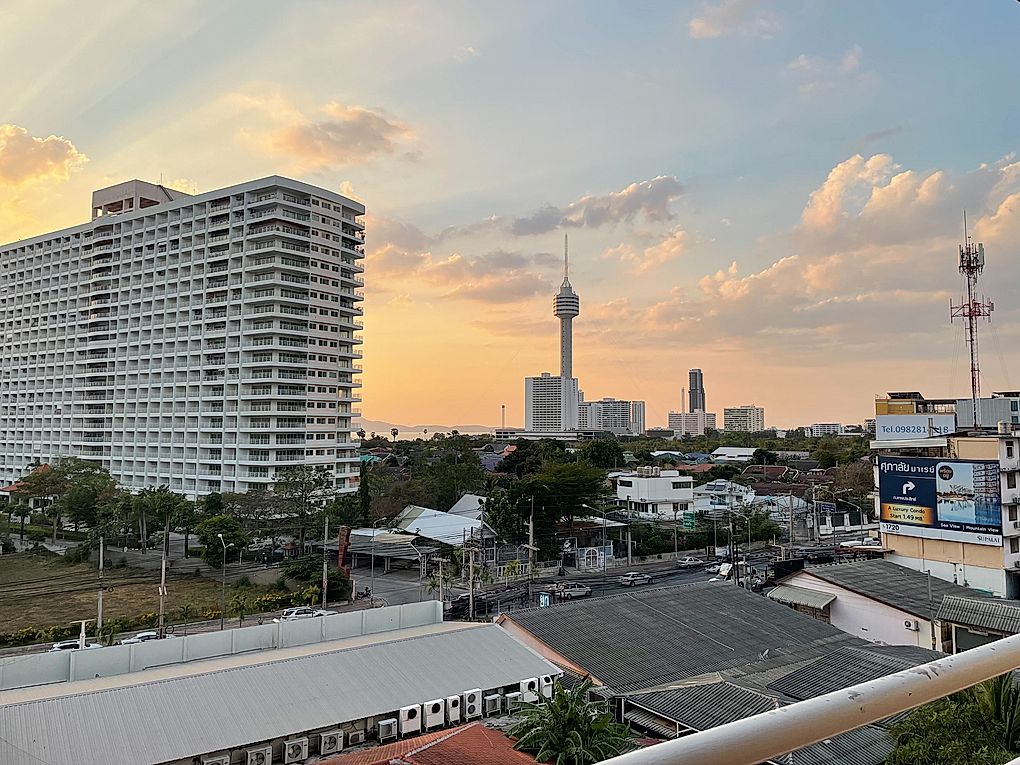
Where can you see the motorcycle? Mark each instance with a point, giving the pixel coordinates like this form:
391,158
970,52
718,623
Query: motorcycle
366,593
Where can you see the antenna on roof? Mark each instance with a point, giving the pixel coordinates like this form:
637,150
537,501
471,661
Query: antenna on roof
566,263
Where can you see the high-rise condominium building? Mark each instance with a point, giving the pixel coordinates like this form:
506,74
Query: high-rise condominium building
613,415
747,418
201,342
696,391
550,403
691,423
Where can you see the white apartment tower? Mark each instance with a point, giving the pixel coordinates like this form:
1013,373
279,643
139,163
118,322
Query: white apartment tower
613,415
202,342
691,423
747,418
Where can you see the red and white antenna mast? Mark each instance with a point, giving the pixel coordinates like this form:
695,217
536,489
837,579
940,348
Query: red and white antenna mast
972,263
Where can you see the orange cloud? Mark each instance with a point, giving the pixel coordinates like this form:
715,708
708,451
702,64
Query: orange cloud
25,158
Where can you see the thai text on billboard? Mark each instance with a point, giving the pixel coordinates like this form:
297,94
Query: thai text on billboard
957,500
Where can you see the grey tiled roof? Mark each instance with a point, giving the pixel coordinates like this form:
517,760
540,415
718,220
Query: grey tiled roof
896,586
996,615
848,666
712,704
652,637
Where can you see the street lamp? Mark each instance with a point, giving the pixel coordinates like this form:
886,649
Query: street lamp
223,586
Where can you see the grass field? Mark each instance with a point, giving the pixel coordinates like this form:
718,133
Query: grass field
40,590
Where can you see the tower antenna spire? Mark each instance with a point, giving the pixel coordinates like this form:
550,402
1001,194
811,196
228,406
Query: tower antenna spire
566,261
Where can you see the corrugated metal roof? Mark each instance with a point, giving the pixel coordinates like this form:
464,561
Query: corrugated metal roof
240,706
653,637
790,595
437,526
985,613
884,581
649,722
849,666
707,706
469,506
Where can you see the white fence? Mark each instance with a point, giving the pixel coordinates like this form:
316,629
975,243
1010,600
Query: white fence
58,667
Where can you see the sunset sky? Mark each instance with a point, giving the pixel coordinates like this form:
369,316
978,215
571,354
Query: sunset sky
771,191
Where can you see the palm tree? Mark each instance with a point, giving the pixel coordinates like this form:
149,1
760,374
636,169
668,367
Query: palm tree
999,700
394,432
568,729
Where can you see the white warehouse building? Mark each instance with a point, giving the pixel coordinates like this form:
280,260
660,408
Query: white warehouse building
202,342
652,491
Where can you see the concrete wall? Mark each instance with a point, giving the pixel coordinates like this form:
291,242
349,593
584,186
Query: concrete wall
44,667
865,618
978,577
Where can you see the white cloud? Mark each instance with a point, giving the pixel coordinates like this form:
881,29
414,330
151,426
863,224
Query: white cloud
727,17
816,73
26,159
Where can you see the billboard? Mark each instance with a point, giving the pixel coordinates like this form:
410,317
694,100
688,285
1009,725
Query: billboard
957,500
893,427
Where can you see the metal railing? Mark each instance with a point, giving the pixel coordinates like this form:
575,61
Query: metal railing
767,736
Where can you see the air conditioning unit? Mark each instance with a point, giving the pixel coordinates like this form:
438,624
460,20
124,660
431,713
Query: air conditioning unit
356,737
435,713
472,703
219,759
1016,524
263,755
529,689
546,684
295,750
453,709
513,700
409,720
387,729
493,704
911,624
331,742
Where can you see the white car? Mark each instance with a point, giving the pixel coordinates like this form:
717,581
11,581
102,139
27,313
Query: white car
575,590
142,637
301,612
71,645
690,562
631,578
713,569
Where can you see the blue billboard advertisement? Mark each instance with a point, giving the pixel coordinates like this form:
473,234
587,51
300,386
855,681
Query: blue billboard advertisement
957,500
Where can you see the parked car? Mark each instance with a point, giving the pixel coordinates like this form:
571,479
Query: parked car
631,578
301,612
574,590
142,637
690,562
71,645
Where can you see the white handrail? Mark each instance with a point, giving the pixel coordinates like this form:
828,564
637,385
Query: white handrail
767,736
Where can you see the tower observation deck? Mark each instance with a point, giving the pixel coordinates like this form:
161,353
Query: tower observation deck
566,305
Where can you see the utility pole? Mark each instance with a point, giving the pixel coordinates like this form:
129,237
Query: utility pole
789,505
931,613
531,548
325,571
99,614
161,630
471,583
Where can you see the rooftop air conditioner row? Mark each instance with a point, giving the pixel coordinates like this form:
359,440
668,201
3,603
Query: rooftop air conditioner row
219,759
472,704
262,755
295,750
331,742
387,729
435,713
409,720
356,737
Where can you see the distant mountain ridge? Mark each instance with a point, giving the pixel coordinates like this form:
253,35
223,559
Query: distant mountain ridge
382,427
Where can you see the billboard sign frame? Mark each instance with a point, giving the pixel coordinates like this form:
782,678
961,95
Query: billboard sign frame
948,499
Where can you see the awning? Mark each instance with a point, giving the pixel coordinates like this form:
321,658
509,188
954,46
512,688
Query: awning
650,722
801,596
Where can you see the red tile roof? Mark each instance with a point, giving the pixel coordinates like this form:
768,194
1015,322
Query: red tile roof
471,744
17,486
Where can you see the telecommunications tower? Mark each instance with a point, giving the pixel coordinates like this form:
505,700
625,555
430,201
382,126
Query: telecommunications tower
972,263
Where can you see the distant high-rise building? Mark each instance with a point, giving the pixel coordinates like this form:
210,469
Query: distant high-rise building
566,305
747,418
697,391
691,423
550,403
613,415
821,429
202,342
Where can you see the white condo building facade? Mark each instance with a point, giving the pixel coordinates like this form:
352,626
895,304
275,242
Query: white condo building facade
747,418
612,415
550,403
201,342
691,423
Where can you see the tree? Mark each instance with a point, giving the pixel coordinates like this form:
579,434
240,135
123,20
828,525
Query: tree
301,492
394,432
857,478
240,604
602,453
555,494
212,504
208,532
569,729
163,505
72,486
978,726
764,457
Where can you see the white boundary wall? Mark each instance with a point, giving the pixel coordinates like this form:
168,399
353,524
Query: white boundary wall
44,668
